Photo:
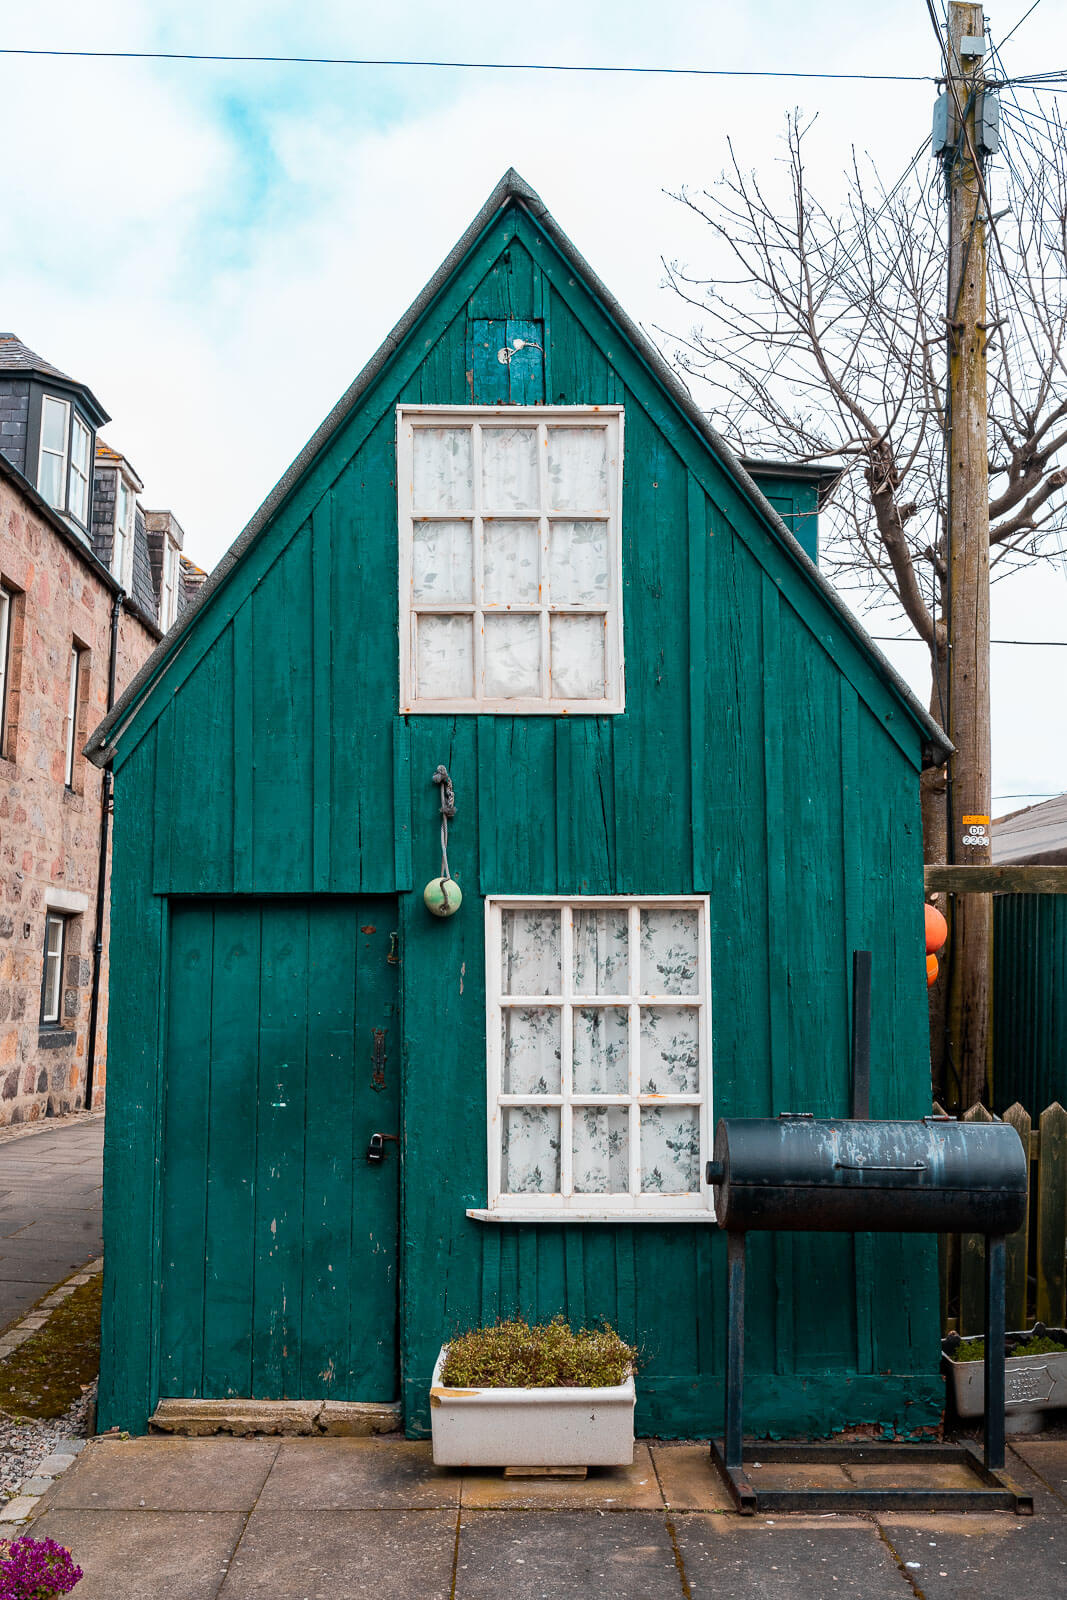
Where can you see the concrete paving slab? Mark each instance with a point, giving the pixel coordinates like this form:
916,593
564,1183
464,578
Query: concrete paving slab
792,1558
916,1475
954,1558
343,1555
145,1555
167,1475
795,1474
50,1205
357,1475
1048,1459
606,1488
529,1555
688,1479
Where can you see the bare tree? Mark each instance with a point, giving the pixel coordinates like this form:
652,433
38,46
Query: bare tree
825,339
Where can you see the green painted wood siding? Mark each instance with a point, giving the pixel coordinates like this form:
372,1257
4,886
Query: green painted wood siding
760,760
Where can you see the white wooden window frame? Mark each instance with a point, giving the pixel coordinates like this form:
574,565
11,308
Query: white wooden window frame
408,418
78,491
62,456
52,973
6,610
566,1206
168,596
72,714
122,554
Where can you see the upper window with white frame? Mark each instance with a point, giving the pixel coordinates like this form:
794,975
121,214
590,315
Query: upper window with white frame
598,1049
7,603
81,444
55,440
510,559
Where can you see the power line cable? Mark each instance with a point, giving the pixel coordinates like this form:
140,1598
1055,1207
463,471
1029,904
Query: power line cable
1018,25
466,66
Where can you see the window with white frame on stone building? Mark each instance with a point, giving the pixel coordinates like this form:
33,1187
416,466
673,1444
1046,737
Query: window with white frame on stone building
598,1051
7,606
168,595
78,656
55,439
122,549
510,559
55,929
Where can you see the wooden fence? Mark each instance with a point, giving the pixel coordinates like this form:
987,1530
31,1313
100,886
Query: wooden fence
1036,1268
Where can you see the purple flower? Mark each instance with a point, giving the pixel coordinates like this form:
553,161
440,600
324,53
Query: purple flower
36,1569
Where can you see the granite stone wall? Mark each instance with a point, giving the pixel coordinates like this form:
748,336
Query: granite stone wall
49,832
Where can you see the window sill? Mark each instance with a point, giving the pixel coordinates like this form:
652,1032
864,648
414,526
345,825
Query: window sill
702,1214
50,1036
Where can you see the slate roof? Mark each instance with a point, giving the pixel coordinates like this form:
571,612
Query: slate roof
18,357
514,190
1035,836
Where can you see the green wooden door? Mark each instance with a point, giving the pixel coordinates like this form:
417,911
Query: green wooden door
279,1238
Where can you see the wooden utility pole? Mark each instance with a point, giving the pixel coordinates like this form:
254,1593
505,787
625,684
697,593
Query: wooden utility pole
969,790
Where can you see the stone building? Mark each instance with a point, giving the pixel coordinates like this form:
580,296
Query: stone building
84,573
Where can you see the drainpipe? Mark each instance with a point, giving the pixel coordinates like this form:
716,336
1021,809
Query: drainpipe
101,867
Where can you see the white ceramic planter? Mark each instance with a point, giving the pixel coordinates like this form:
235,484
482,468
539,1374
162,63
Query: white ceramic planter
531,1427
1032,1385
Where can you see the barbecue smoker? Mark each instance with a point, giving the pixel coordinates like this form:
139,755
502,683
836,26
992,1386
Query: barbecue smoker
797,1172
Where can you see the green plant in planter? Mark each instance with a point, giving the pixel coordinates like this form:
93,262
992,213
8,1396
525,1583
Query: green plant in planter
1038,1344
545,1355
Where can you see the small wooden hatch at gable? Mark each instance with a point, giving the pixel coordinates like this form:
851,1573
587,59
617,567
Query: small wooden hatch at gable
506,361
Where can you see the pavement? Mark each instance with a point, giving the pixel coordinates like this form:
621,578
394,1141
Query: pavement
162,1518
51,1176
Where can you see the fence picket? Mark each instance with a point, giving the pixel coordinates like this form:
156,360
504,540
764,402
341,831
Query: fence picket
1017,1244
1052,1217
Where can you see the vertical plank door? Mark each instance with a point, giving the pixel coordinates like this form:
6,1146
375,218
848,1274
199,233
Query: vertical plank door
279,1237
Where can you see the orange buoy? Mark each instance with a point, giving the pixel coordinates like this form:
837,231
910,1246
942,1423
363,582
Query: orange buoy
931,971
936,930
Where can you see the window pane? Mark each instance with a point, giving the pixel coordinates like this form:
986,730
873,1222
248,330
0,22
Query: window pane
531,1050
578,469
443,470
529,952
670,951
510,562
509,469
578,658
601,1050
601,950
578,568
79,453
446,658
670,1149
54,425
51,479
670,1050
441,561
530,1150
512,657
601,1163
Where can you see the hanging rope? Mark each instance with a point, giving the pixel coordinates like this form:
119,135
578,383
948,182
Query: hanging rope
448,811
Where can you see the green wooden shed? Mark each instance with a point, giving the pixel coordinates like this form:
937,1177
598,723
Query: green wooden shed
686,790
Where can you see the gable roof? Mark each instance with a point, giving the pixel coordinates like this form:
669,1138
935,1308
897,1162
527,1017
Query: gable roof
511,191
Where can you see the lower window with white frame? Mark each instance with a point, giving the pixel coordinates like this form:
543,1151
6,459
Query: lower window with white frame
598,1048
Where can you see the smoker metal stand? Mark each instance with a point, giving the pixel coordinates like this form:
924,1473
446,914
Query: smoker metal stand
994,1490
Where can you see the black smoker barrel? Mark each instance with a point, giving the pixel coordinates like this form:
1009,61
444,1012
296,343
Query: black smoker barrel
825,1174
933,1176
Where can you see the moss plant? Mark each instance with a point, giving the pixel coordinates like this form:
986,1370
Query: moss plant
50,1370
545,1355
1042,1345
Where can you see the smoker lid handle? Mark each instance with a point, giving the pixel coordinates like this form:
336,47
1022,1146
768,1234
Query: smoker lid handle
862,1166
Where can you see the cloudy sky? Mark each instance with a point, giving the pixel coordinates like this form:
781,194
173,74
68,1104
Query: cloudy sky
216,249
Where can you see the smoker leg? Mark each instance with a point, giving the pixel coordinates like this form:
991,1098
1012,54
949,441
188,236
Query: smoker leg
994,1351
735,1346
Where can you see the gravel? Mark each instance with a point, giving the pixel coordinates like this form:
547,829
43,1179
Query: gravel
25,1442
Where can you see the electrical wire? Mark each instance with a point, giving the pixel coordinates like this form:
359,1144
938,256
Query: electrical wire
466,66
910,638
1018,25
